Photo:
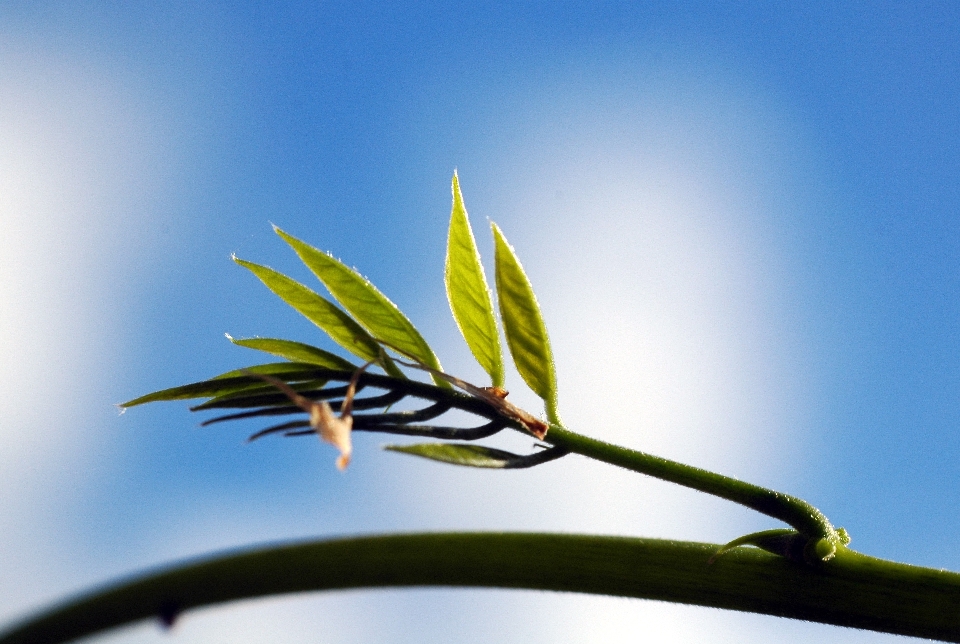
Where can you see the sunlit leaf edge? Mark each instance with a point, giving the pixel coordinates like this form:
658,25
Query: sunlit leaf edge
468,292
523,324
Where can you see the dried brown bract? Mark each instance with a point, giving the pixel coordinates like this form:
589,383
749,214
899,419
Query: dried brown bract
329,428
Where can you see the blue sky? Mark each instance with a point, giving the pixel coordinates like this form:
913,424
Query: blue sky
742,224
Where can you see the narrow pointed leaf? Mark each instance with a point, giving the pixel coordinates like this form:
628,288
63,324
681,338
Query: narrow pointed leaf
203,389
459,454
239,399
296,352
319,310
523,324
479,456
290,371
226,383
468,292
366,304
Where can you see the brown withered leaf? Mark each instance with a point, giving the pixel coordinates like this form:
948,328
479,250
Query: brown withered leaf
329,428
335,431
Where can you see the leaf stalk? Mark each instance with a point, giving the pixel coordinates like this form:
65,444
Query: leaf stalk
794,511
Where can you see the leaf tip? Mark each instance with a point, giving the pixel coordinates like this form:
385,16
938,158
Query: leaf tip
290,239
497,233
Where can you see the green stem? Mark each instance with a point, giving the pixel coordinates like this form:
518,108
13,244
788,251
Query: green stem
796,512
852,590
799,514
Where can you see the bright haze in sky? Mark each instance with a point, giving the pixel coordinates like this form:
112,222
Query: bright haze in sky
742,226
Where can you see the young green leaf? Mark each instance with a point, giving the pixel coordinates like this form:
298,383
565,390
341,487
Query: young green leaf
468,292
478,456
369,306
459,454
319,310
523,325
203,389
254,396
226,383
289,370
296,352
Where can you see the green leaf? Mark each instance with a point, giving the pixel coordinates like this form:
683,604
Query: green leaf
319,310
459,454
478,456
226,383
254,396
289,370
203,389
295,352
523,325
468,292
369,306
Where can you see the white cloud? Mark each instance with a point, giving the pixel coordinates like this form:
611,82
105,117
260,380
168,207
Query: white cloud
78,155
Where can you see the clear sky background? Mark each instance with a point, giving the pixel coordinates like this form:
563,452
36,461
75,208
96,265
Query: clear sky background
743,224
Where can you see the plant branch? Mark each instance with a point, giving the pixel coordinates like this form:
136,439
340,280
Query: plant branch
851,590
812,525
796,512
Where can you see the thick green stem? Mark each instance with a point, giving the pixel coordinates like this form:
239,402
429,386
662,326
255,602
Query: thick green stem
796,512
851,590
